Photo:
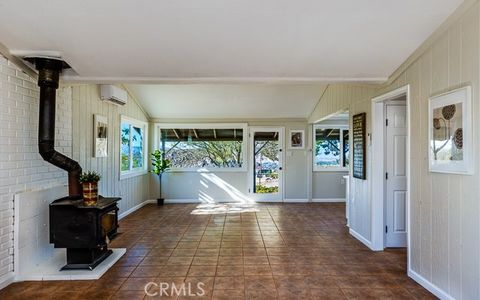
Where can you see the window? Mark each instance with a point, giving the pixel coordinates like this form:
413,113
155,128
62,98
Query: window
193,147
133,156
331,148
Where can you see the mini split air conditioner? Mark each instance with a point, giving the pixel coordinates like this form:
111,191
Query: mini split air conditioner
113,94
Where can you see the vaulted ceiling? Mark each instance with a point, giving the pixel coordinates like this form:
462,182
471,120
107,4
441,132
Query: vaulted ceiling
227,101
163,41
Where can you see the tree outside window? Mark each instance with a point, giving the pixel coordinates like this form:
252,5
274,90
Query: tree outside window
132,147
331,148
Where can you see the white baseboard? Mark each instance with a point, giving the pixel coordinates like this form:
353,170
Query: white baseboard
181,201
429,286
136,207
7,279
321,200
295,200
185,201
359,237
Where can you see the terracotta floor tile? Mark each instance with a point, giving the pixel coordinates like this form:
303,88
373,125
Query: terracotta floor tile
204,245
180,260
128,295
184,252
230,260
231,252
175,270
261,293
259,282
257,270
372,293
228,294
333,293
202,271
254,251
205,260
229,283
187,245
304,251
136,284
256,260
230,270
207,252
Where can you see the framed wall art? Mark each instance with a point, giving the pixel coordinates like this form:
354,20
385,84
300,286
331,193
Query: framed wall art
359,133
450,132
297,139
100,136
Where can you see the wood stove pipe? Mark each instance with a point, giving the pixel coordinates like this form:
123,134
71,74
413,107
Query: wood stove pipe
48,76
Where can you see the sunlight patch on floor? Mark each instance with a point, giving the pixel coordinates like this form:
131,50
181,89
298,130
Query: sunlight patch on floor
224,208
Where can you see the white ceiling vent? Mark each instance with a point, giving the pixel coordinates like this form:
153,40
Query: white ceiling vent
113,94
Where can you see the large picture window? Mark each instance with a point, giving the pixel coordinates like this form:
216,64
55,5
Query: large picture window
193,147
133,134
331,148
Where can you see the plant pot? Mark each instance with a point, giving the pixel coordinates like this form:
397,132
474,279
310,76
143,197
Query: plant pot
160,201
90,193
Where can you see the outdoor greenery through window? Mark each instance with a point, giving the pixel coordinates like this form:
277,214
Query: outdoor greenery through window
331,148
197,148
132,133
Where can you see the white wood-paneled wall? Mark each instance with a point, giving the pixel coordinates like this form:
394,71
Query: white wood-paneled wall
445,209
85,103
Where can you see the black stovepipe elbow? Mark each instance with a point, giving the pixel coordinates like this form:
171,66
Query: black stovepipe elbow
48,77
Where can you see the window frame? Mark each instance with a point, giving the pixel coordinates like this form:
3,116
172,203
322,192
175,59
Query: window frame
340,168
243,126
138,171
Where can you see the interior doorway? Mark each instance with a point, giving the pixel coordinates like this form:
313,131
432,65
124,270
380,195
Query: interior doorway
396,173
390,158
266,164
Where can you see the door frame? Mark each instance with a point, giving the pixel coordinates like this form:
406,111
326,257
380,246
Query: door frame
251,162
378,167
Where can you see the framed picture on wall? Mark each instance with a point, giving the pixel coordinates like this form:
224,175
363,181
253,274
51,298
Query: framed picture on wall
359,133
100,136
297,139
450,132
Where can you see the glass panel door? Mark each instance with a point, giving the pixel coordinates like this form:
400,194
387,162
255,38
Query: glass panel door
266,167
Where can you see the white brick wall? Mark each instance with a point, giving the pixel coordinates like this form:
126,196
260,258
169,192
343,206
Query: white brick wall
21,167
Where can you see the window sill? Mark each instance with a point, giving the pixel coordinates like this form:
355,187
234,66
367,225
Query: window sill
202,170
131,174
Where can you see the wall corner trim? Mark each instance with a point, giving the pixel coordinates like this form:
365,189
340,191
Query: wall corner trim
135,208
7,279
362,239
429,286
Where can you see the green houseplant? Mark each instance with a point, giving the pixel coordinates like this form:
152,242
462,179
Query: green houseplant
159,166
89,181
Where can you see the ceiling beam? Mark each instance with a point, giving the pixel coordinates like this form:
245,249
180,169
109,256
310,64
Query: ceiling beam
176,134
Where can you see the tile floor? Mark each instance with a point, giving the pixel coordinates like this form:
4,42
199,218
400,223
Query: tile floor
289,251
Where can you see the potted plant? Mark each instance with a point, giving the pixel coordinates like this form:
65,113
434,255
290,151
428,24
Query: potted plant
159,166
89,181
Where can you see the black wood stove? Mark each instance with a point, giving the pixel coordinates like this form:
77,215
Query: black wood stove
83,230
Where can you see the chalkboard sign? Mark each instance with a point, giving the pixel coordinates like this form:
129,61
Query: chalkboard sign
359,149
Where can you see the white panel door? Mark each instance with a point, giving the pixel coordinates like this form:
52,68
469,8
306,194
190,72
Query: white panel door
396,176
